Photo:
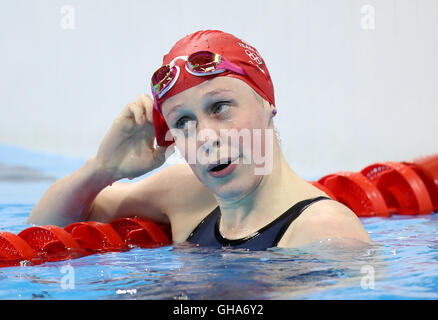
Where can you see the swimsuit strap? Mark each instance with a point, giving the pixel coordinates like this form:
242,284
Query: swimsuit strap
293,216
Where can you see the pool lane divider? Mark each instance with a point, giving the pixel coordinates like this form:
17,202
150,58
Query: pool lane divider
356,192
380,189
40,244
386,188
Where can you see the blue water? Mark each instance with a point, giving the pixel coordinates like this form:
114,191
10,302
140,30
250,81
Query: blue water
404,264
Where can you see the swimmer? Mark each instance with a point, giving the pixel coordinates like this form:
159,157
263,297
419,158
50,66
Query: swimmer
209,83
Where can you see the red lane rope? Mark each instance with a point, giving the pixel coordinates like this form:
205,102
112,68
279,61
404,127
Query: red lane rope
383,189
39,244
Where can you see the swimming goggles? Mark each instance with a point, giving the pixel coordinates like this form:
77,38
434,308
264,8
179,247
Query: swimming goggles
201,63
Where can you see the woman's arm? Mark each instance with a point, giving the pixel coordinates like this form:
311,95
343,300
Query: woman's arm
127,151
69,200
148,198
171,195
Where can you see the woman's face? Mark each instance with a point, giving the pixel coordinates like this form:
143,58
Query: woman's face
222,120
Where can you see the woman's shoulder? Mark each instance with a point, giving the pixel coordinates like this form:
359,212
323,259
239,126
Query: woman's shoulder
325,219
185,192
186,200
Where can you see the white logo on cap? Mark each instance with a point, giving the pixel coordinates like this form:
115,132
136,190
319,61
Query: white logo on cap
254,55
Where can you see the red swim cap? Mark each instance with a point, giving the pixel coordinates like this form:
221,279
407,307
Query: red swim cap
226,45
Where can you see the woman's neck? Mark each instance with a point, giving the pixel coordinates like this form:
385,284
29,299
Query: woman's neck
275,193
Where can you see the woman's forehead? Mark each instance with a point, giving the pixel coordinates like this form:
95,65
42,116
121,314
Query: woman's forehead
206,88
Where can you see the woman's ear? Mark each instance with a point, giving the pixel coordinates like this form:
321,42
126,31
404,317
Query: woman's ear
274,109
270,107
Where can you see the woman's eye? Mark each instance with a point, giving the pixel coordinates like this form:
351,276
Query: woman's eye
219,107
181,123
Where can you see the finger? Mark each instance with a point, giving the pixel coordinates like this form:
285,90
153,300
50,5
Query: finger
126,112
146,102
138,113
132,111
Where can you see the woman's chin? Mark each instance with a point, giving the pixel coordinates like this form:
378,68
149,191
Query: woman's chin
234,189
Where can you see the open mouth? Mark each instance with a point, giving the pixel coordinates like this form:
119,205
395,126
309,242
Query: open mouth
219,167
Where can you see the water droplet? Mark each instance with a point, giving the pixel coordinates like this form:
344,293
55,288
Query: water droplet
24,263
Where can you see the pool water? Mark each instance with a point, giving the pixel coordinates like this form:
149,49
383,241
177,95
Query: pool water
402,265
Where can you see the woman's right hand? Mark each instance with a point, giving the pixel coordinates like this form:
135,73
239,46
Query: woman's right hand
127,150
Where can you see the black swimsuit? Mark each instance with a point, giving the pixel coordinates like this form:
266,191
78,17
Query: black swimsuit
207,233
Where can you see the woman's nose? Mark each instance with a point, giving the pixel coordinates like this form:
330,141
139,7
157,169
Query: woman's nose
208,137
210,145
